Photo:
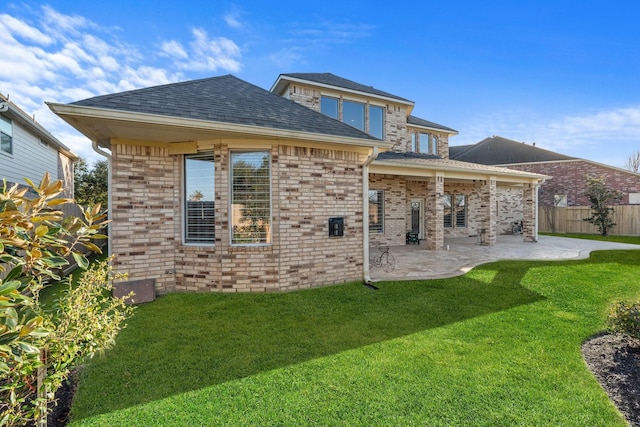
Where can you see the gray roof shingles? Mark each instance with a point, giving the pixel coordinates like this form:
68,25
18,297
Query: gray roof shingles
497,150
413,120
341,82
225,99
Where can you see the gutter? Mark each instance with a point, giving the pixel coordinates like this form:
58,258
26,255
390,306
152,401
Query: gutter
103,153
365,214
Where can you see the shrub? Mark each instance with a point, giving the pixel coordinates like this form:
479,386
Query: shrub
624,318
38,347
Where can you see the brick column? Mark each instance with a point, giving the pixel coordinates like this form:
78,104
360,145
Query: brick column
529,212
435,213
488,212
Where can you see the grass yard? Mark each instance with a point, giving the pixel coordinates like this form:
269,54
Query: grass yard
634,240
499,346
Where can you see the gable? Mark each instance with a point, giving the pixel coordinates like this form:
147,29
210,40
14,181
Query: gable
227,100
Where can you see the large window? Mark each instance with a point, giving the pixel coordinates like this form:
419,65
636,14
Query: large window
6,135
422,142
329,106
199,198
353,114
250,197
376,211
376,121
455,211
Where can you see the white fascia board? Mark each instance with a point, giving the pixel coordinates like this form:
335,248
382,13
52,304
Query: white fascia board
207,125
411,104
449,132
408,169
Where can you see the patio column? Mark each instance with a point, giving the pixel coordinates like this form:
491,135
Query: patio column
435,213
529,214
487,231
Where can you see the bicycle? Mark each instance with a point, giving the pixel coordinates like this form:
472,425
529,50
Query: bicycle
516,228
385,260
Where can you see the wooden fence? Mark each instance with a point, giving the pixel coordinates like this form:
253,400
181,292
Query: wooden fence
571,220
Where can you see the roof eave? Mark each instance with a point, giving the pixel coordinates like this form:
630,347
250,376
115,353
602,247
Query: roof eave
515,177
68,112
451,132
40,131
283,80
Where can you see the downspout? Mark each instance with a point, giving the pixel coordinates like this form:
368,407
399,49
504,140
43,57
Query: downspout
100,151
365,213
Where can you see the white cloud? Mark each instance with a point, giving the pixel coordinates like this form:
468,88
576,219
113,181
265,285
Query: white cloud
606,136
51,56
173,49
233,20
20,29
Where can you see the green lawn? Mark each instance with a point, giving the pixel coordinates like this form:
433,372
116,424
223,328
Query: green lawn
499,346
635,240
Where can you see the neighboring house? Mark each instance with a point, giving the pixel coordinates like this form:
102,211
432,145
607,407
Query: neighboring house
28,150
220,185
568,185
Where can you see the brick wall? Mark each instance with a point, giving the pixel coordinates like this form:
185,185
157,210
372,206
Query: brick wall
395,209
308,187
570,177
145,187
509,200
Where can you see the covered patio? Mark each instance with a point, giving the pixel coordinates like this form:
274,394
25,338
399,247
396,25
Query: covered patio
414,262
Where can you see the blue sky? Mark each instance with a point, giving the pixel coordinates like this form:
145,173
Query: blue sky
562,74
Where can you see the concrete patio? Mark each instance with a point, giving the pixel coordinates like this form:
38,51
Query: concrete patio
415,262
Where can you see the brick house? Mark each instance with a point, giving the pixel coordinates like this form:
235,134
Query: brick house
220,185
28,150
568,182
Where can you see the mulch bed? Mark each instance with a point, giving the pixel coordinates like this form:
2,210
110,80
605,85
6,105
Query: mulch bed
615,361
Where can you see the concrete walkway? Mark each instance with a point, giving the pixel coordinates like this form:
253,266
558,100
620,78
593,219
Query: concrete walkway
415,262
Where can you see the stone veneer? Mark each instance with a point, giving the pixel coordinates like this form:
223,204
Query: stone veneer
309,186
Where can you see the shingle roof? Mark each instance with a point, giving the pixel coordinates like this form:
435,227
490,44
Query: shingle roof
413,120
333,80
434,162
226,99
397,155
502,151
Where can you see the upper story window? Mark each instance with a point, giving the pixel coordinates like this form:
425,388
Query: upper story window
329,106
355,114
376,121
422,142
6,135
199,198
250,197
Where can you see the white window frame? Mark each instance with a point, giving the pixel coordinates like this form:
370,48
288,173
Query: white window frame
379,211
6,131
187,237
232,207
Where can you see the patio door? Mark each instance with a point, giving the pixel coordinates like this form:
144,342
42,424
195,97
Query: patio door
417,217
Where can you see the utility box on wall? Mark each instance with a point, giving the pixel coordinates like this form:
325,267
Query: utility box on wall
336,227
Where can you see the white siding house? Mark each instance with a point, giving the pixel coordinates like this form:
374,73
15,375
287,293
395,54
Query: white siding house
28,150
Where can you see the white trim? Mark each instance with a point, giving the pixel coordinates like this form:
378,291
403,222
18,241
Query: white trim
70,112
337,88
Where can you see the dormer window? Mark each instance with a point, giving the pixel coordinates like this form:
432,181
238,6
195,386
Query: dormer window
422,142
355,114
329,106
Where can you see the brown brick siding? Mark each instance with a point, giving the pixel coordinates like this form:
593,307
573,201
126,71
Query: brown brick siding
570,178
308,186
